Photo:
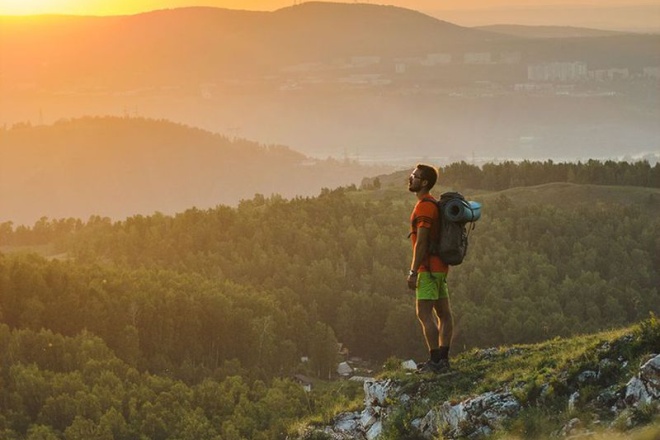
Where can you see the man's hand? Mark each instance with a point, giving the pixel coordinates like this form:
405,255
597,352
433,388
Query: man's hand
412,280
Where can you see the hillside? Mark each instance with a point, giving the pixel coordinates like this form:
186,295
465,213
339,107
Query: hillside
598,386
376,82
198,324
117,167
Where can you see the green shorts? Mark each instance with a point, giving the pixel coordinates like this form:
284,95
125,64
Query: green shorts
432,287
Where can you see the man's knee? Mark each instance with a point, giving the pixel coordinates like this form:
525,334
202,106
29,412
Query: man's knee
443,309
445,315
426,317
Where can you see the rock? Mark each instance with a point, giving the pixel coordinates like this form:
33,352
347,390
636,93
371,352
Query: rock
649,373
572,399
587,376
478,416
429,424
645,386
512,351
375,430
453,415
487,353
409,365
571,427
376,392
346,422
636,392
368,417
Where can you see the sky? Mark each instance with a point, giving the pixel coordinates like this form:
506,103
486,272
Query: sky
118,7
620,15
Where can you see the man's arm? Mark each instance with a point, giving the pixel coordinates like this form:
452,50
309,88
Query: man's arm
419,254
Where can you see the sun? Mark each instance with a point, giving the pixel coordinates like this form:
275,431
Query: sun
35,7
24,7
88,7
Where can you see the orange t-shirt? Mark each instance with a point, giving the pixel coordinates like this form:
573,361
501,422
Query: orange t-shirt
425,215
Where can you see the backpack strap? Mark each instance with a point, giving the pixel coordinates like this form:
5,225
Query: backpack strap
413,225
428,250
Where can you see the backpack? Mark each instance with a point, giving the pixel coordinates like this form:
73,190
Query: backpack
454,213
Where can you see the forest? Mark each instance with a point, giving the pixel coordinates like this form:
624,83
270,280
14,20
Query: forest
199,320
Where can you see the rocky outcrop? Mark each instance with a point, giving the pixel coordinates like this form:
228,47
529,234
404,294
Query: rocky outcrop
365,424
644,388
474,417
479,416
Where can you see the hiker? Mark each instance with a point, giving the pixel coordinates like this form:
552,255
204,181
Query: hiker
428,273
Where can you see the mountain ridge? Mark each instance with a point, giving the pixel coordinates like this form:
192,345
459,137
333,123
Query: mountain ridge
112,166
246,35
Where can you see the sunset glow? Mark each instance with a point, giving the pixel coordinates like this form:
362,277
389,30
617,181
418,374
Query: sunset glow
120,7
28,7
79,7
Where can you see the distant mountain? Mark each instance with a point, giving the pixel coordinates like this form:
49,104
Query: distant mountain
547,31
118,167
377,83
201,44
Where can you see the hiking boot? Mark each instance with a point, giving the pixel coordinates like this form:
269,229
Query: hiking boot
429,366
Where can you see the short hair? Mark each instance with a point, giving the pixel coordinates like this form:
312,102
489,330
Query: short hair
428,173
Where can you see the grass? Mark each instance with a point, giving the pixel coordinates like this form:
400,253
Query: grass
542,377
329,399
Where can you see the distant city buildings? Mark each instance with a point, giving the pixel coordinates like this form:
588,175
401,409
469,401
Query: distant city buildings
510,57
509,70
477,58
652,72
436,59
609,74
557,71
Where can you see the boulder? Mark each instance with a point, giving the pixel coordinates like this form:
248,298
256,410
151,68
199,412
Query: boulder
478,416
409,365
376,392
644,387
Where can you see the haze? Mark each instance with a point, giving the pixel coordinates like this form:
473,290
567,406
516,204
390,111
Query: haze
641,16
90,105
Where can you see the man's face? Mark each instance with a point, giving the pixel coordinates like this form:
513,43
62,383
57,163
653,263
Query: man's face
415,181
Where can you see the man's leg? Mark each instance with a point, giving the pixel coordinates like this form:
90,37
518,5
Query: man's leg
446,329
429,323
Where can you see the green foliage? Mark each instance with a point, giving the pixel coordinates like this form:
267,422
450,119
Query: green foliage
392,364
398,427
532,423
542,377
103,397
185,324
509,174
648,334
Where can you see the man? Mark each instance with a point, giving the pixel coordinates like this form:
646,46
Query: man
428,273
